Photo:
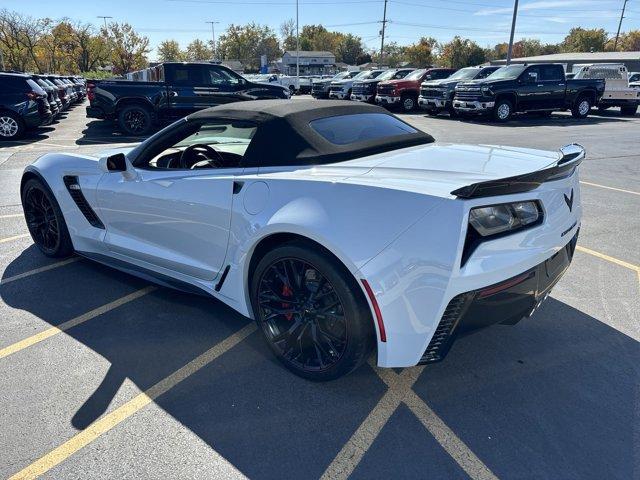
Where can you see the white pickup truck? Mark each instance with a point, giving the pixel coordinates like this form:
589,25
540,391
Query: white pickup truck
617,91
289,82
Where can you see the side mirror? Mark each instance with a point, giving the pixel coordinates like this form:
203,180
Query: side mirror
117,163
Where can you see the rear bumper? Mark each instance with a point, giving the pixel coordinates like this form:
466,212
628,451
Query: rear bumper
620,102
95,112
505,302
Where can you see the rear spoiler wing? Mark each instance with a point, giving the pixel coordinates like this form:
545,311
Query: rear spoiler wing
570,157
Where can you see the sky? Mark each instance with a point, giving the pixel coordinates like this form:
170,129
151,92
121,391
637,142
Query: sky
485,21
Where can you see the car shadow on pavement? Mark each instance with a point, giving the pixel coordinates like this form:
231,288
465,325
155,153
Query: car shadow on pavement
532,120
100,132
555,394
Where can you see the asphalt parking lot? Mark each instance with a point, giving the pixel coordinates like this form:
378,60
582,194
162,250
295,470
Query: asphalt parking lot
105,376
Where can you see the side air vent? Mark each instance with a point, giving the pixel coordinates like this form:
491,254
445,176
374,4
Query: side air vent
442,338
74,190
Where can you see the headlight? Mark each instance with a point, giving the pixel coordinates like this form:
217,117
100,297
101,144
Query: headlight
496,219
486,91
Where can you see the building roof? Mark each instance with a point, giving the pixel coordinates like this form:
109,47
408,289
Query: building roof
284,135
309,53
578,57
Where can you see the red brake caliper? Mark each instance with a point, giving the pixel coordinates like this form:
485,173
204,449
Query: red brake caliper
287,292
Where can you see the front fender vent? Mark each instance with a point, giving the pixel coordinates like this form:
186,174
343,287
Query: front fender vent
73,187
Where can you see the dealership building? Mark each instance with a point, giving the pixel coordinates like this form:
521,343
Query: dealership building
311,62
630,59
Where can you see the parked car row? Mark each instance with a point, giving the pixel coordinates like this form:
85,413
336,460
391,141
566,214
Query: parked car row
31,100
174,90
491,91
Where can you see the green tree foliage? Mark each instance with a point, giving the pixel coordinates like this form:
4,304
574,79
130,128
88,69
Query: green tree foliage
128,50
461,52
288,35
247,43
584,40
169,51
627,42
422,53
199,51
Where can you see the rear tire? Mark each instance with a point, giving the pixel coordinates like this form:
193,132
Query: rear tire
135,120
11,126
629,111
581,108
45,221
311,312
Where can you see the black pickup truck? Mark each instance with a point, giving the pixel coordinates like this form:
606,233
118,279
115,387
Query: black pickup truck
171,90
539,88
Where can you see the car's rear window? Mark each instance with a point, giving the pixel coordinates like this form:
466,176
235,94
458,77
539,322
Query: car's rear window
359,127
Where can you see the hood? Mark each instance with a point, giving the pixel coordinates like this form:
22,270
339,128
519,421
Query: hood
443,82
343,82
484,81
438,169
326,81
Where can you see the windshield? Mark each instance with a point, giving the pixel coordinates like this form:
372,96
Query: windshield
342,76
415,75
634,77
512,71
464,74
367,74
389,74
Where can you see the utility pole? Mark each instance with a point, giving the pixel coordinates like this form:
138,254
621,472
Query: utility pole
213,36
513,31
384,24
615,44
1,58
297,46
105,21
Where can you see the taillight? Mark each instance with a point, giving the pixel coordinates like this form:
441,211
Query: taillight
32,95
90,93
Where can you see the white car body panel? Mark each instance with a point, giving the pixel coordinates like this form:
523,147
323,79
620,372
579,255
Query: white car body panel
390,218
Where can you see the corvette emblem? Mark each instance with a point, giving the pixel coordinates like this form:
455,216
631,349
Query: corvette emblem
569,200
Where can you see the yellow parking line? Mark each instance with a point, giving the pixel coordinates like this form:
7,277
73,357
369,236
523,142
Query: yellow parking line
608,258
16,237
106,423
400,391
13,215
609,188
28,273
50,332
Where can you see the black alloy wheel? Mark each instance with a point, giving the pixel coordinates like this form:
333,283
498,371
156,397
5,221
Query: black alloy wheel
44,221
302,315
310,312
135,120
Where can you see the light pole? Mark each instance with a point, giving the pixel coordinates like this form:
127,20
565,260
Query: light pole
105,21
513,30
297,48
615,44
213,36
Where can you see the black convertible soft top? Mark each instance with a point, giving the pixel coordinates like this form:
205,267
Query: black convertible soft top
284,135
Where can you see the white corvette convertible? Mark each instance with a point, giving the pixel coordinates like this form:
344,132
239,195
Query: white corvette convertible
338,227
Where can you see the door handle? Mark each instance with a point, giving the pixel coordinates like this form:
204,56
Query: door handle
561,84
540,85
173,94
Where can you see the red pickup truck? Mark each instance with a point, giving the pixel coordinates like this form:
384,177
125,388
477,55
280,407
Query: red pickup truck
404,92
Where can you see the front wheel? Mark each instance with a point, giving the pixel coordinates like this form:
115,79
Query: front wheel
503,110
408,103
581,108
45,220
311,312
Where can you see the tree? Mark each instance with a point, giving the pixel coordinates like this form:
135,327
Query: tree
628,42
128,49
89,48
348,48
288,35
198,50
247,43
585,40
393,55
20,38
422,53
461,52
169,51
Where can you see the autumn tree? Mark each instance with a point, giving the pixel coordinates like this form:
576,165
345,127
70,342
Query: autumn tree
585,40
288,35
461,52
128,49
421,53
197,50
247,43
169,51
627,42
